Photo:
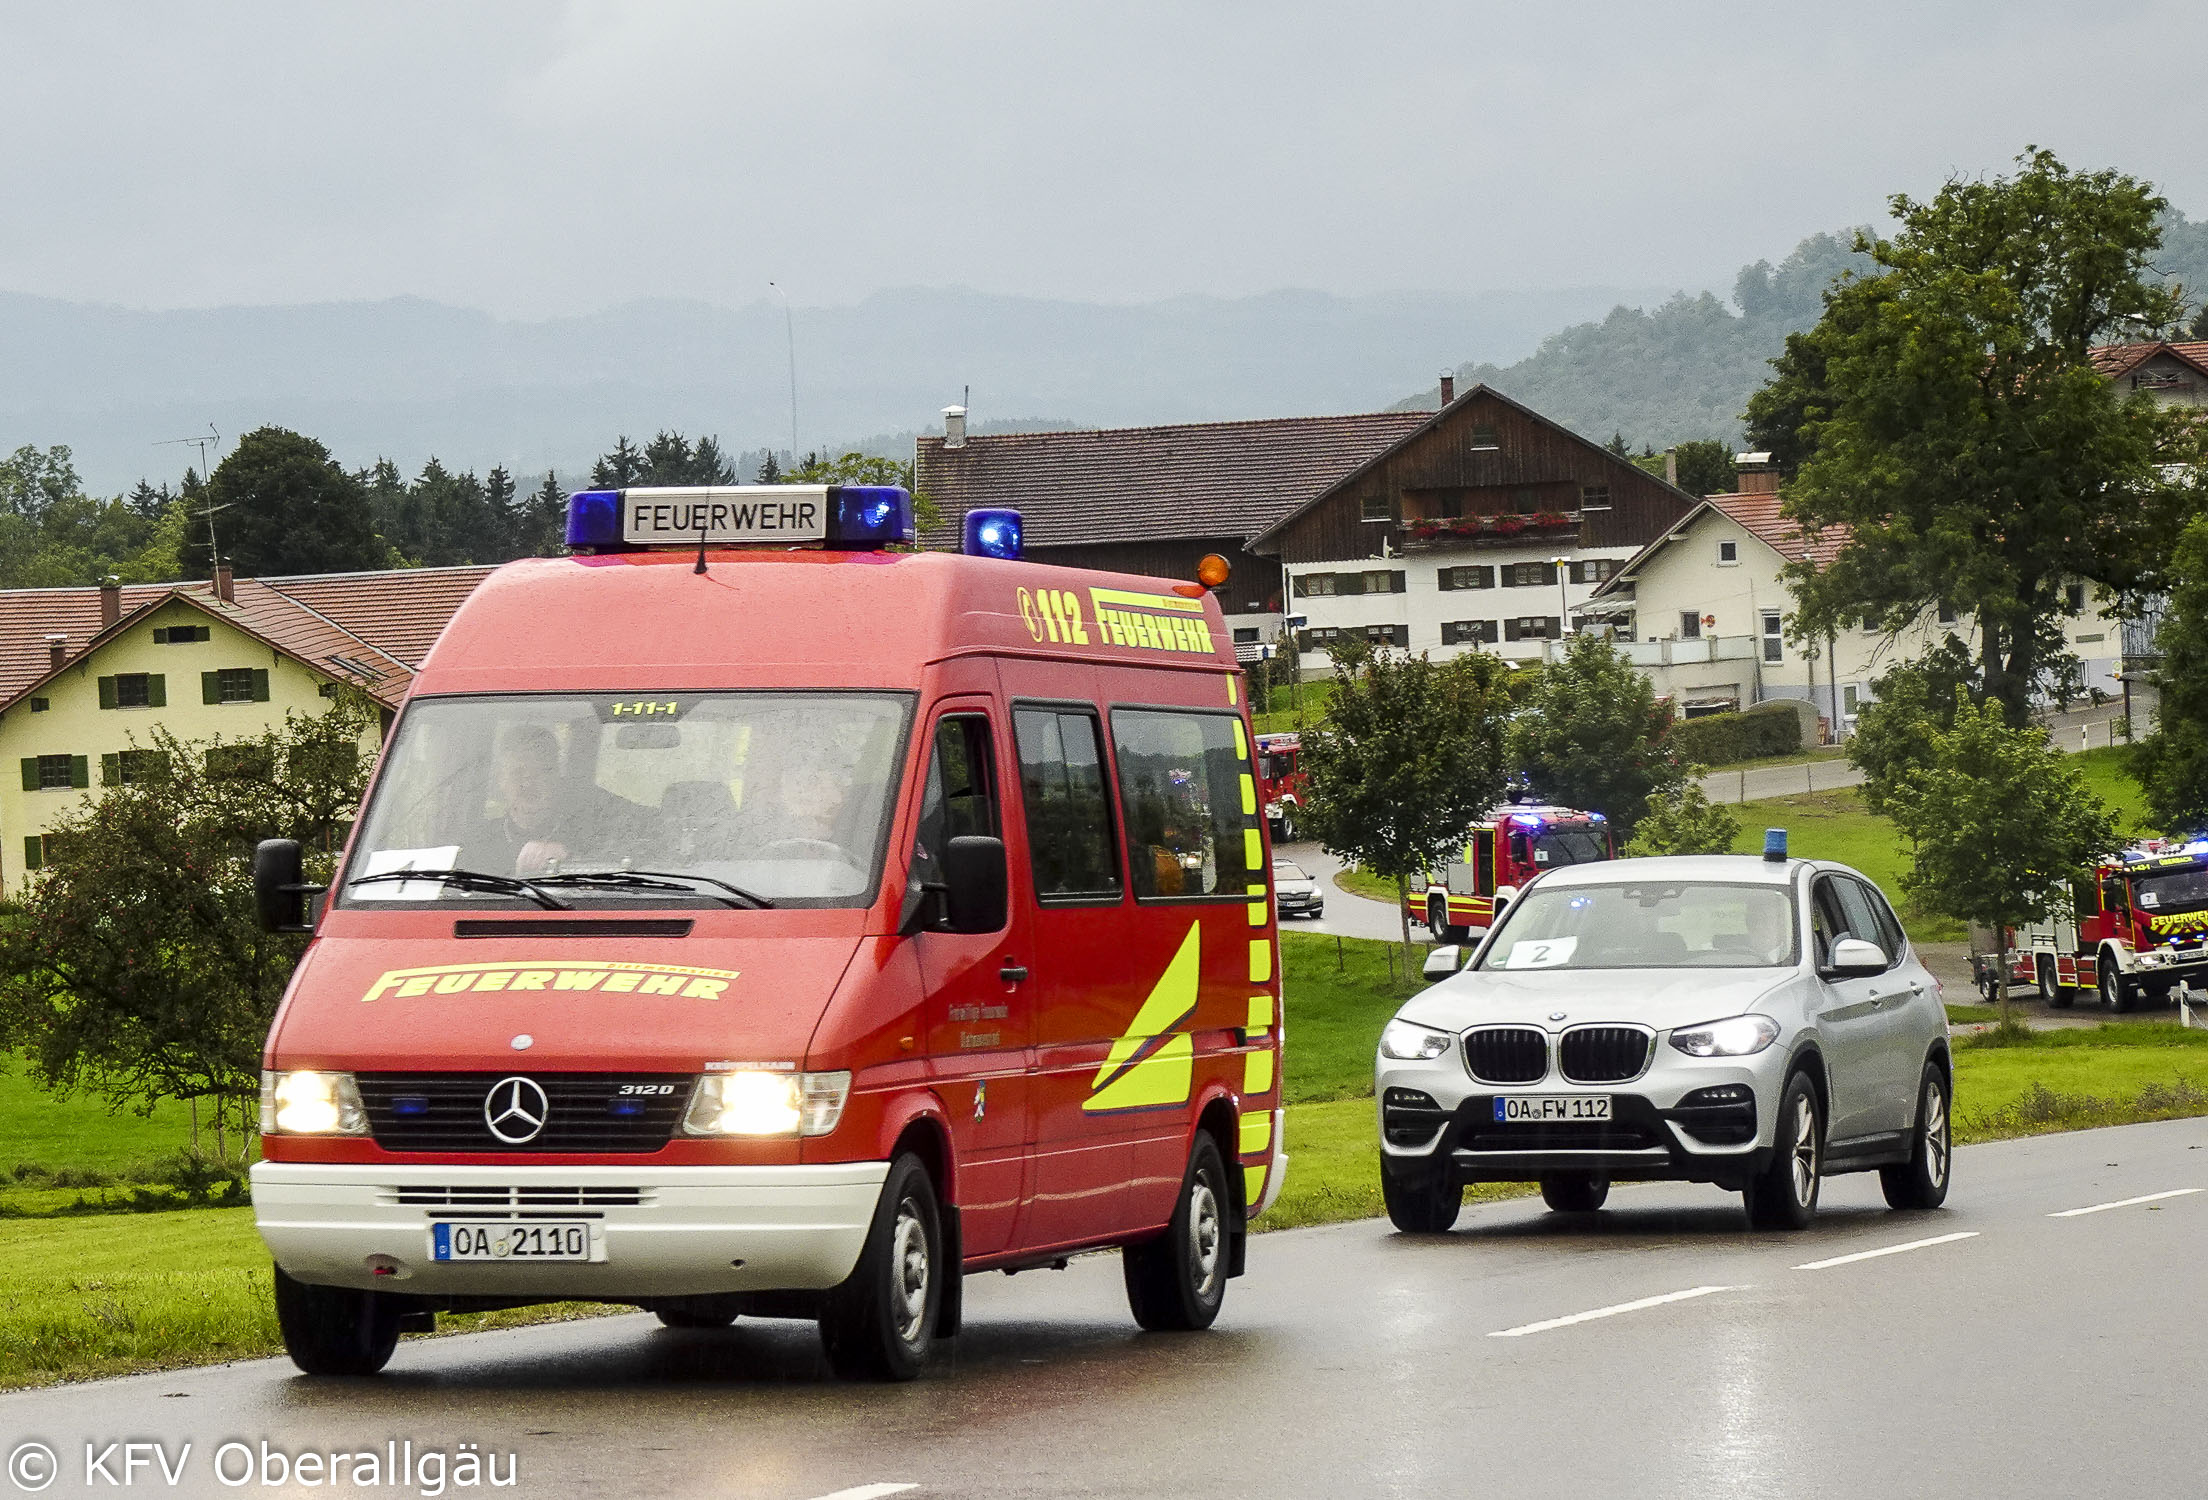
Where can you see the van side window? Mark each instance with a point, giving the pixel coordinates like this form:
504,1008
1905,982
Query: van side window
1069,820
1180,785
960,796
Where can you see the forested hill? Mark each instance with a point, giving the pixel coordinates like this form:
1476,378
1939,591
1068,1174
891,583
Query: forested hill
1685,369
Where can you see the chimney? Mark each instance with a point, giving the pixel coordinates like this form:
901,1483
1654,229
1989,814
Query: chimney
954,426
1448,387
111,600
57,650
1671,467
1758,474
223,590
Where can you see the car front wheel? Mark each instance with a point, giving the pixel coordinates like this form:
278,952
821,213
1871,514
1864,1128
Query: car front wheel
1421,1205
1575,1192
1785,1195
1921,1181
334,1330
880,1323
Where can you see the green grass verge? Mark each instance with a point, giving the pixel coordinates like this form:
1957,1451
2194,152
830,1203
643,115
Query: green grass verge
1766,762
81,1132
1283,713
1366,884
1335,1013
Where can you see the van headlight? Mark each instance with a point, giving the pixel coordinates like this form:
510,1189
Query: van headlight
1407,1041
1738,1036
310,1103
765,1102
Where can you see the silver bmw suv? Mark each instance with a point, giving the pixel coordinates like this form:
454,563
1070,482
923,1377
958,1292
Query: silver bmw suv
1753,1023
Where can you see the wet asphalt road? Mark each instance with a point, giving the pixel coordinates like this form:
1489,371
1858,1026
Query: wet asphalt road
2032,1356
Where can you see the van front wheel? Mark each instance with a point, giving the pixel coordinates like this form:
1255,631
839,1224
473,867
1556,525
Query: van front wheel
1177,1281
334,1330
879,1324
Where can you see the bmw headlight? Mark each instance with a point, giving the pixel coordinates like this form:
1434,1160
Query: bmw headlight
1737,1036
309,1103
766,1102
1407,1041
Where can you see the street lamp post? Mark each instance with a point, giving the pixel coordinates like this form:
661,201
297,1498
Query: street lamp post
1563,566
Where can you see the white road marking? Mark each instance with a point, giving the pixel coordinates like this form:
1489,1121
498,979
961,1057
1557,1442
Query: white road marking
1608,1312
1845,1260
2094,1208
868,1492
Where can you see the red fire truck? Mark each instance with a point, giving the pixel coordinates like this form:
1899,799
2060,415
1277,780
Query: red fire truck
1280,783
747,919
2137,928
1511,846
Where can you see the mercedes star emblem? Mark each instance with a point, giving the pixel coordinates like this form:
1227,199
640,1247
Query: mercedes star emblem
515,1110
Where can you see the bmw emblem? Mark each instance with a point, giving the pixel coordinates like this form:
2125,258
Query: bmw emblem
515,1110
1556,1015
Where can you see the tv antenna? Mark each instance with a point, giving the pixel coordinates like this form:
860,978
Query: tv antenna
213,437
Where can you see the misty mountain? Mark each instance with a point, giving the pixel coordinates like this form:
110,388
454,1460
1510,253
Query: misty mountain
409,378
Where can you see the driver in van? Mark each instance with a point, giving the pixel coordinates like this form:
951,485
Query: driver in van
792,800
551,818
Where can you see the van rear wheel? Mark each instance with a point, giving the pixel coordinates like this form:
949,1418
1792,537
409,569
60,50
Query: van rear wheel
880,1323
334,1330
1177,1281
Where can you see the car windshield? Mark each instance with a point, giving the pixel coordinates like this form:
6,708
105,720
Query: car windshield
1569,846
1282,870
783,796
1647,924
2181,890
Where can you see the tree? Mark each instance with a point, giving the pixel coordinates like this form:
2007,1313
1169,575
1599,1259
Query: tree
620,468
2000,821
280,504
133,965
1593,735
770,472
1683,820
2172,762
1949,419
1892,741
544,520
1705,466
670,458
1407,759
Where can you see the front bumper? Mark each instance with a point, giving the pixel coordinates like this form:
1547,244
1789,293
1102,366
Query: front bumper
1310,904
1683,1119
654,1231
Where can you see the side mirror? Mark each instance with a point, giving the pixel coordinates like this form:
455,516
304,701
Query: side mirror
1443,961
974,884
279,892
1853,958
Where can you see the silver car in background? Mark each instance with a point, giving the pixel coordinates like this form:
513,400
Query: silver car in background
1754,1023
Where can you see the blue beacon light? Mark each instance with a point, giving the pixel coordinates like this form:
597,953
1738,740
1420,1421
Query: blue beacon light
1774,844
992,533
869,515
594,518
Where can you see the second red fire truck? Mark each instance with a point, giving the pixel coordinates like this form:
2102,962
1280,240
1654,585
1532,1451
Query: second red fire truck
2137,928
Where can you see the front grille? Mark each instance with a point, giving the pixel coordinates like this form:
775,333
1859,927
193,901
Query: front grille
494,1197
1507,1054
1615,1135
1603,1054
583,1111
1410,1118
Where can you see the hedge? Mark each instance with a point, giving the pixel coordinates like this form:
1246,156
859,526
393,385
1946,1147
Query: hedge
1720,739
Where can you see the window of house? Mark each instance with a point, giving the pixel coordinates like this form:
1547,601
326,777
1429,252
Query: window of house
1849,696
178,635
1870,624
1947,613
1690,625
1532,628
1069,817
1245,635
1470,632
1315,585
1388,635
1483,436
1318,638
1180,783
40,705
1594,497
1382,581
129,767
237,685
134,690
1774,637
1529,575
1596,570
1466,578
2073,598
55,773
1376,508
130,690
1728,552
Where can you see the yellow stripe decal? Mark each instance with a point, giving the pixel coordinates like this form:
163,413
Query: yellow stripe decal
1257,1133
1241,742
1257,914
1249,795
1261,1012
1253,850
1261,961
1232,697
1257,1078
1153,1064
1253,1185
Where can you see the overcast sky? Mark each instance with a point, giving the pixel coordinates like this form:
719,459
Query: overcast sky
538,158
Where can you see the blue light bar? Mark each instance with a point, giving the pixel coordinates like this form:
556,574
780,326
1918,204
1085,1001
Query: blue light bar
1774,844
992,533
869,515
594,519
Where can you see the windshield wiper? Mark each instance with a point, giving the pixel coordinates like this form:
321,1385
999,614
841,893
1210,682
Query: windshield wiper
661,880
469,880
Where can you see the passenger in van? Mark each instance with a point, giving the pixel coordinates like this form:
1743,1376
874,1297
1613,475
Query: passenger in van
792,809
554,820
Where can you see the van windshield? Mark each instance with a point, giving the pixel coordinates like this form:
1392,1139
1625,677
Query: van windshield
783,796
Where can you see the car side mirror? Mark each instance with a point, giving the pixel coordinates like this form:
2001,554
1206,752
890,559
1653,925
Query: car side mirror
1853,958
280,895
1442,962
974,884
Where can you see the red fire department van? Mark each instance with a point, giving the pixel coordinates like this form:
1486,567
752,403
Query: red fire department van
746,919
1511,846
2137,927
1280,783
